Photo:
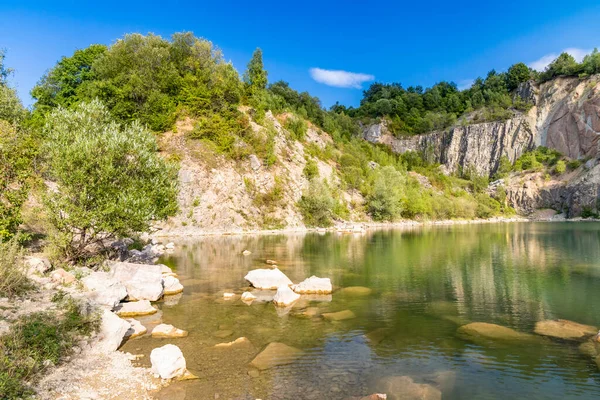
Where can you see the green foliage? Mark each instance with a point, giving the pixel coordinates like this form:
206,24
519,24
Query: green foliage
255,77
311,170
385,201
560,167
13,279
536,160
36,338
110,180
574,164
318,205
564,65
297,126
517,74
504,168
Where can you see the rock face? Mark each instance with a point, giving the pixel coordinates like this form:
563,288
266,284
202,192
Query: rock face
275,354
168,362
267,278
405,388
112,331
314,285
142,281
564,329
285,296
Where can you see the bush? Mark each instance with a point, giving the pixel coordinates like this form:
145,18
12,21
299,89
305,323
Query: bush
13,280
311,170
297,126
317,205
560,167
110,180
385,201
574,164
36,338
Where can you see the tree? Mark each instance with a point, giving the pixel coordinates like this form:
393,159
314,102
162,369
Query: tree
255,76
385,202
110,180
517,74
317,204
591,63
564,65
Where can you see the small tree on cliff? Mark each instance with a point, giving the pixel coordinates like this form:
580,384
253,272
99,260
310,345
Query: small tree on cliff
255,76
110,180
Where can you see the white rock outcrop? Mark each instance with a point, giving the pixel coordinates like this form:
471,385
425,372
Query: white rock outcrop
104,289
142,281
112,331
171,285
168,362
267,278
314,285
285,296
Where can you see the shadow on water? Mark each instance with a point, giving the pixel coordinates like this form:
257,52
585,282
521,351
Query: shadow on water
425,283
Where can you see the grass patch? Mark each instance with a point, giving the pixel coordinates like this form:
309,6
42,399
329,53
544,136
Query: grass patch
13,280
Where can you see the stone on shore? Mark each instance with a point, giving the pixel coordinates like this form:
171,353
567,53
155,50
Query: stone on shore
171,285
285,296
405,388
339,316
275,354
564,329
267,278
136,329
314,285
142,281
485,330
248,297
135,308
168,362
357,291
112,331
62,276
168,331
104,289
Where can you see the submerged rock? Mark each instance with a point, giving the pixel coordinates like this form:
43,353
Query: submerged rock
356,291
239,342
223,333
134,308
378,335
168,362
168,331
112,331
246,252
267,278
285,296
339,316
275,354
314,285
142,281
172,285
405,388
492,331
564,329
271,262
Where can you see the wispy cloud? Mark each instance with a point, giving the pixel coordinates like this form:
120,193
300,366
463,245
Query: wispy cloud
343,79
542,63
465,84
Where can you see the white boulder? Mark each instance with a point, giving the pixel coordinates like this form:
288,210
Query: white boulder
142,281
37,264
104,289
168,331
136,329
112,331
314,285
135,308
285,296
168,362
267,278
172,285
247,296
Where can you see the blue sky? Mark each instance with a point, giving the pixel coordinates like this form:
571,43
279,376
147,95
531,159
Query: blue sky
413,42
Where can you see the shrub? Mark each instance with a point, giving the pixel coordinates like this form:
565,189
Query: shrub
317,205
110,180
574,164
35,338
560,167
385,201
297,126
311,170
13,280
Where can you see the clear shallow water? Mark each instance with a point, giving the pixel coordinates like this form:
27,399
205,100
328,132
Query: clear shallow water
425,283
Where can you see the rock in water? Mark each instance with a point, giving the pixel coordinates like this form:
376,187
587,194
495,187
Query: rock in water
267,278
112,331
142,281
136,329
168,331
356,291
248,297
314,285
484,330
275,354
404,388
168,362
285,296
135,308
339,316
239,342
564,329
246,252
172,285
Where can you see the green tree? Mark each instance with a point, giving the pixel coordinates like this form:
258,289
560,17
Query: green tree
385,201
564,65
255,76
591,63
517,74
317,204
110,180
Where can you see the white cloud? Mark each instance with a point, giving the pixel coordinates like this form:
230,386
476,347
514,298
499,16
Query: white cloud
542,63
343,79
465,84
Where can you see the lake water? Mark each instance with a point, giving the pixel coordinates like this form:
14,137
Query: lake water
425,283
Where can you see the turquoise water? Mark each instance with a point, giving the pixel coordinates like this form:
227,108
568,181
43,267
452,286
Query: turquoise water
426,283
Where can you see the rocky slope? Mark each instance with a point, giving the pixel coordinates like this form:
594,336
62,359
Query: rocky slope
565,116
